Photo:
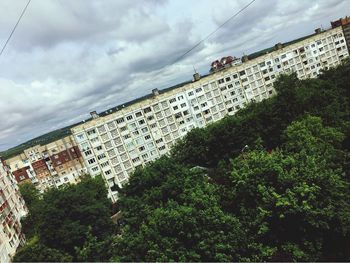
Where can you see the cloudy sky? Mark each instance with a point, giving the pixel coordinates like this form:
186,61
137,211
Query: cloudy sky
68,58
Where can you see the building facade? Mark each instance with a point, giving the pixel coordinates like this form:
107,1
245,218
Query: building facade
345,24
12,208
50,165
115,144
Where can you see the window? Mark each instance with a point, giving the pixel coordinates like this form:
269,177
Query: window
111,153
164,104
108,145
138,114
101,129
108,172
87,153
80,136
91,161
159,140
227,79
111,125
95,168
156,107
190,93
183,105
105,164
172,100
147,137
175,107
181,97
91,132
198,90
142,148
146,110
101,156
141,122
137,159
129,117
98,148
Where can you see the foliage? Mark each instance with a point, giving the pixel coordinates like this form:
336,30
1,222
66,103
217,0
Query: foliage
35,251
172,213
31,197
66,217
286,199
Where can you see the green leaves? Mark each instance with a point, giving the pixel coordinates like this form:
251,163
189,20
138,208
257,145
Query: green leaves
66,219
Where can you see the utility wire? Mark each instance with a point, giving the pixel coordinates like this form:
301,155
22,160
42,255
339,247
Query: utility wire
212,33
14,28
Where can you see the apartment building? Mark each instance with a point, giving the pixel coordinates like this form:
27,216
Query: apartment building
134,134
12,208
345,24
51,165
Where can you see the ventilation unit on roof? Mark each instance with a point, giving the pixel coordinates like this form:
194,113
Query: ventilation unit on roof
155,92
94,115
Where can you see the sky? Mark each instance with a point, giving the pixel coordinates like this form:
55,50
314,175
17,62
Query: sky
68,58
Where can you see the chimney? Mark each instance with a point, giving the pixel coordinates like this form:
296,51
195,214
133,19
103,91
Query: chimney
155,92
318,30
278,46
196,76
94,114
245,58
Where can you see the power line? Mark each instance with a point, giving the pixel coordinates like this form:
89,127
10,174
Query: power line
212,33
14,28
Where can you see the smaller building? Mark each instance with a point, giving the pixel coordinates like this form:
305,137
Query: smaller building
51,165
345,24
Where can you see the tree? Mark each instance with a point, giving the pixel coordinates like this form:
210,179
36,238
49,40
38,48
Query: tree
31,197
34,251
295,200
171,213
71,219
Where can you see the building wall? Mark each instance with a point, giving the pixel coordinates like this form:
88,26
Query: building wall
50,165
12,208
345,24
116,144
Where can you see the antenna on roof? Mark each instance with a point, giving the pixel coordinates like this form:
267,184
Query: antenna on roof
196,75
194,69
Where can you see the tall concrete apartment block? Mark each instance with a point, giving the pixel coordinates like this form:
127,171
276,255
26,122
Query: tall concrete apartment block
12,208
115,144
50,165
